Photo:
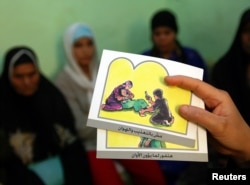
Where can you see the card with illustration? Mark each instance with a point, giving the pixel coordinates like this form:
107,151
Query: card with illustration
116,145
130,96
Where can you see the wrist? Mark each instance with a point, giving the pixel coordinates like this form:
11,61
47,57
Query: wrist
246,153
243,157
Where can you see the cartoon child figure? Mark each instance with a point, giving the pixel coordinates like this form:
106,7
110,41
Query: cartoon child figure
118,95
162,114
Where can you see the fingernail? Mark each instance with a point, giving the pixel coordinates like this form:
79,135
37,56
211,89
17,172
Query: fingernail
183,109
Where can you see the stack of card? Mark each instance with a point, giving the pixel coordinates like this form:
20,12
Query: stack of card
136,112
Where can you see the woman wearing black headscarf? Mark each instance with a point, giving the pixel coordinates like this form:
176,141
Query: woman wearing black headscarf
165,44
38,125
232,71
164,30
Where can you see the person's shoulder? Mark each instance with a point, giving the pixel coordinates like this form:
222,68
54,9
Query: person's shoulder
220,64
222,60
67,86
48,87
193,57
221,72
61,78
146,52
190,51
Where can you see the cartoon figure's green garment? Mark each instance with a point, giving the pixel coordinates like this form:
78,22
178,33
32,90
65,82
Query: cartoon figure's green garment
135,104
153,143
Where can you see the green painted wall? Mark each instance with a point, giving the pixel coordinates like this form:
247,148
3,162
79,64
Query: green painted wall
207,25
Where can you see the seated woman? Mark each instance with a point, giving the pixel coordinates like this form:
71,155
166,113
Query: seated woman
39,127
76,81
165,42
120,94
121,98
232,71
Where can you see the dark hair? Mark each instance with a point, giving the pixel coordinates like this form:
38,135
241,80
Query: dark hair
129,82
158,93
16,56
168,19
26,55
164,18
23,60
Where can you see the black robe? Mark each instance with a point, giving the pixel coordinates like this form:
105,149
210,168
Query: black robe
38,114
230,72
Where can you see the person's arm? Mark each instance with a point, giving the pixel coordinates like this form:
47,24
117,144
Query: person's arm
230,133
78,111
130,95
121,98
118,95
194,58
151,102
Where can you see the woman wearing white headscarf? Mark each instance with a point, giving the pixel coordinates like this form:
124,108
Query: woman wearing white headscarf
76,81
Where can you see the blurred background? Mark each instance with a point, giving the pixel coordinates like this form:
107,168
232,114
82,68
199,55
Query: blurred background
207,26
